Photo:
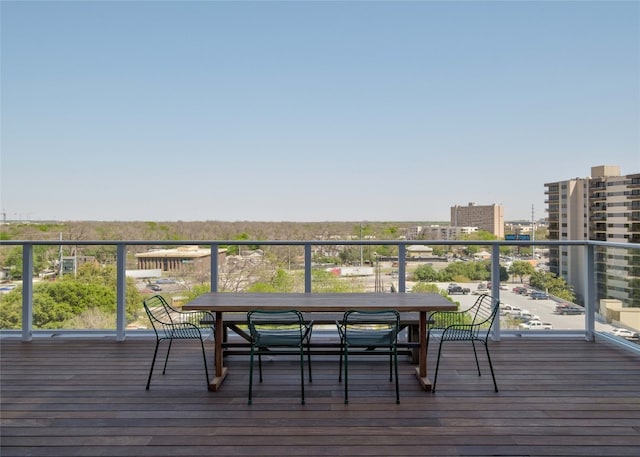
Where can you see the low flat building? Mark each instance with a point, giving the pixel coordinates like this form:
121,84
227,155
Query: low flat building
181,259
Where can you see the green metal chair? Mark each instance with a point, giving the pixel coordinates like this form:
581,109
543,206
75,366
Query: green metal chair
369,330
172,324
278,329
473,324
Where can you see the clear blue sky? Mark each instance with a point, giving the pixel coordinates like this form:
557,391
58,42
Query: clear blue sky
310,111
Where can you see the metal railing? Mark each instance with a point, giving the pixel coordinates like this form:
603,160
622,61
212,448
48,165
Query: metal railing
588,293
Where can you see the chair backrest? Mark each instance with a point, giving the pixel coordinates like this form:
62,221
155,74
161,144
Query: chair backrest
159,312
487,308
467,324
361,327
484,309
172,323
264,323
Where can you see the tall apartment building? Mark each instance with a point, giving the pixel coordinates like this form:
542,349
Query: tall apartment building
605,207
489,218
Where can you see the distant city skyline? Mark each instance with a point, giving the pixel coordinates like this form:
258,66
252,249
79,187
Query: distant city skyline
310,111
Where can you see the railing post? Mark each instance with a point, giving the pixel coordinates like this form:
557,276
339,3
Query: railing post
590,293
307,268
495,286
402,267
27,292
121,291
214,267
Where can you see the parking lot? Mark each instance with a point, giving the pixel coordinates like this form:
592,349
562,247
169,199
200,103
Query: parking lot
545,309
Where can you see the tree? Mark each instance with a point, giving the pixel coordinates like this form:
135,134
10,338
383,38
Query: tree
281,281
195,291
504,274
553,284
425,287
69,301
322,282
349,255
521,269
236,249
11,259
426,273
479,235
466,271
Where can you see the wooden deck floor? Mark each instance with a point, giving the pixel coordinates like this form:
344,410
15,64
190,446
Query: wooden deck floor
86,397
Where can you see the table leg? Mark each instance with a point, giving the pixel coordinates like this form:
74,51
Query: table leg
221,370
421,369
414,337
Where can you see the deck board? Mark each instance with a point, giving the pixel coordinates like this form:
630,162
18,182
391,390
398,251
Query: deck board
81,396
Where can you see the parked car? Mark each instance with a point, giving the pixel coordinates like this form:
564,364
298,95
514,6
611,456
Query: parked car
481,289
566,308
510,309
165,281
624,333
451,290
539,296
154,287
520,290
527,316
536,325
4,288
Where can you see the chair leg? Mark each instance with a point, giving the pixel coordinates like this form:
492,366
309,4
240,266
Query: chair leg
204,358
302,373
260,363
153,362
340,369
495,385
435,376
309,361
346,374
395,360
475,354
250,375
167,358
390,364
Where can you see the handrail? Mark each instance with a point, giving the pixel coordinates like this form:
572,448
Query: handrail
589,292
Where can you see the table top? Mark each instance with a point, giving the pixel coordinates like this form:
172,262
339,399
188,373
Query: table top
320,302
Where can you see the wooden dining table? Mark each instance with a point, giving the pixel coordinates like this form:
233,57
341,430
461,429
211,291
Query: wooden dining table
226,302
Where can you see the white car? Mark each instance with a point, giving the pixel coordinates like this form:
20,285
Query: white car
524,314
510,309
624,333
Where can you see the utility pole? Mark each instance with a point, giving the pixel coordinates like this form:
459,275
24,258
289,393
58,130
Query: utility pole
60,264
361,246
533,234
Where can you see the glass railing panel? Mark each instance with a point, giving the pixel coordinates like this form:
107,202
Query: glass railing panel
75,287
536,298
617,284
11,287
11,263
